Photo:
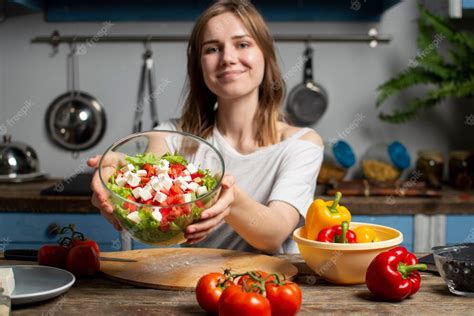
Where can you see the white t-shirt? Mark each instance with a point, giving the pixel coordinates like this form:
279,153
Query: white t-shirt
286,171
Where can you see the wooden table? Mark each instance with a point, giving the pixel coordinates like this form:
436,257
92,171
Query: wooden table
101,296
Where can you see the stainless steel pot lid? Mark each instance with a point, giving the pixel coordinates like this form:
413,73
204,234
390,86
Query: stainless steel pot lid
17,158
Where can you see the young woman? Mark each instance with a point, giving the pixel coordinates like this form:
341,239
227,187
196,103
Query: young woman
234,99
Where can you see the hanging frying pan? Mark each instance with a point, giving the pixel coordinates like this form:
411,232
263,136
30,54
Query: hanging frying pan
75,120
308,101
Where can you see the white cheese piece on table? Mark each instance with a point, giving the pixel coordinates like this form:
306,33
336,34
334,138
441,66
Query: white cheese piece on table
201,190
134,217
7,281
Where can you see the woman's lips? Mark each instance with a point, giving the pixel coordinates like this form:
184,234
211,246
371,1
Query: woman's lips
229,75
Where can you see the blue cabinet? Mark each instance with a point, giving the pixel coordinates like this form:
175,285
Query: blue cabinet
459,229
403,223
189,10
29,230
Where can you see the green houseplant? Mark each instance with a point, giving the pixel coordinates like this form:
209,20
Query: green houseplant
451,76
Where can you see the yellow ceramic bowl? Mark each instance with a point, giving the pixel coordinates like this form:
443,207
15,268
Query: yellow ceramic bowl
346,263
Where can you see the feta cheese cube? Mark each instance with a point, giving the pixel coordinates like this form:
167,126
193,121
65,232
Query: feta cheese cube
181,182
163,166
187,178
141,173
7,281
192,168
197,180
155,183
160,197
133,180
165,180
136,192
193,186
128,167
201,190
120,181
186,172
157,214
134,217
187,197
145,194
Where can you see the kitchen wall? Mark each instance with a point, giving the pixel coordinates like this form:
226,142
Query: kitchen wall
30,79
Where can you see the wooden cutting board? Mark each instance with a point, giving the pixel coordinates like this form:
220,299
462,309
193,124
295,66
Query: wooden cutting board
181,268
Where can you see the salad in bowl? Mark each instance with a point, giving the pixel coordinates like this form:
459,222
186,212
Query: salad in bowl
159,182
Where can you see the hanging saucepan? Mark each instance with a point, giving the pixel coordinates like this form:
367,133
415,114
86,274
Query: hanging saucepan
75,120
308,101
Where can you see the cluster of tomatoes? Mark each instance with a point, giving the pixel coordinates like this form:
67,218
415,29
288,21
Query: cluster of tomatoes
74,253
250,293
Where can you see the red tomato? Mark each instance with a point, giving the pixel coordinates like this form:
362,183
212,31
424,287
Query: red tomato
196,175
149,170
83,260
176,190
88,242
209,289
285,299
199,203
235,301
175,170
249,280
52,255
144,180
130,206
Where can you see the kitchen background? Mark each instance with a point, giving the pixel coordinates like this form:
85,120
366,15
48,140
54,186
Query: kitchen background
350,72
30,79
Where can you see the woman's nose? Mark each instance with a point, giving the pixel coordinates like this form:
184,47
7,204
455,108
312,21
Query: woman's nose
229,55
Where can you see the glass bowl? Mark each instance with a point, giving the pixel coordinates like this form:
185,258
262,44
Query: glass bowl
456,266
160,223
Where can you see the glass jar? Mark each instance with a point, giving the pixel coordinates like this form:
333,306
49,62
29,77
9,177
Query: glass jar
338,158
460,169
430,165
385,162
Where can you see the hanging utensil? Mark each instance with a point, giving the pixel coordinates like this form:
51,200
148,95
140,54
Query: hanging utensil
147,80
308,101
75,120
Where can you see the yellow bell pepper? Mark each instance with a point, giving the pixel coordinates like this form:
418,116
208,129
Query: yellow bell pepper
365,234
322,214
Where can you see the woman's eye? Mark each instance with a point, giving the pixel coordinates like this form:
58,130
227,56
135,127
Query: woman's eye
211,50
244,45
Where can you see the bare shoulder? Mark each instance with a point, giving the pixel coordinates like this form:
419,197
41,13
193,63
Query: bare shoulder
288,130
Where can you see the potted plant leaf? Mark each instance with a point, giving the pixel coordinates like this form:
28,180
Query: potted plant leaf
451,76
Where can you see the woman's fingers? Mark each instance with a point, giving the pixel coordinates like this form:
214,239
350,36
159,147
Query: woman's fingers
204,228
228,181
224,201
93,162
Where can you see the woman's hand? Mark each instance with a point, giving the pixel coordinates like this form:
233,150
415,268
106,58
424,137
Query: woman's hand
214,215
100,196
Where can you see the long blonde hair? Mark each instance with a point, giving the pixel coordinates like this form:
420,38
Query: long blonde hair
198,115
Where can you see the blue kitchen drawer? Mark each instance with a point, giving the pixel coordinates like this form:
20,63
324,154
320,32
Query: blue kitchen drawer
403,223
28,230
459,229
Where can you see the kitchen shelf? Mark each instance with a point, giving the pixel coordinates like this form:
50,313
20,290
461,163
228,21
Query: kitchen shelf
26,197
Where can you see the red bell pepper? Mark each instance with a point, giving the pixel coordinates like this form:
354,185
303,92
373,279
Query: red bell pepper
393,275
335,234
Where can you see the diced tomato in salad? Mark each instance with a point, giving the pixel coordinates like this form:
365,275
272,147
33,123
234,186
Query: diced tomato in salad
162,182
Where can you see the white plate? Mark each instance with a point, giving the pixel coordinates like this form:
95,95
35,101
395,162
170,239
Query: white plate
39,283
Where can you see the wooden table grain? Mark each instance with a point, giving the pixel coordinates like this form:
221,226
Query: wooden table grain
101,296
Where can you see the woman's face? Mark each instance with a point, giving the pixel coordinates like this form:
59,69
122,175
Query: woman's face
232,63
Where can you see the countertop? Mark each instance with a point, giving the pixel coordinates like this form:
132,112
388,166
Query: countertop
101,296
26,197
